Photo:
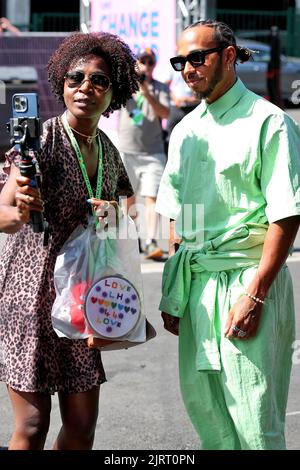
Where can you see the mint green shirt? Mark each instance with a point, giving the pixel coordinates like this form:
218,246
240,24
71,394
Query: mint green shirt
231,162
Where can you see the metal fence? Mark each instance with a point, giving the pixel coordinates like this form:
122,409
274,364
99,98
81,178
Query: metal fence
55,22
256,25
33,51
252,24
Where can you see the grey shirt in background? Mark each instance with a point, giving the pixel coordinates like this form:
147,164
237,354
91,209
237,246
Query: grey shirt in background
145,139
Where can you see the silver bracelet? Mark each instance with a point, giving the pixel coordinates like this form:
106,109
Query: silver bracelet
256,299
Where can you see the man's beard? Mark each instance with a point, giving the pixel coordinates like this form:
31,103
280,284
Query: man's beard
217,77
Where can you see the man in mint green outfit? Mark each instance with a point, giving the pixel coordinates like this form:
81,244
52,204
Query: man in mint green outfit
232,187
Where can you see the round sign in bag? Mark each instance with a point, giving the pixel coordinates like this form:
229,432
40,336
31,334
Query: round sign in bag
112,307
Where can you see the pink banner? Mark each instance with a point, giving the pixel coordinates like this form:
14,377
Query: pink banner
140,23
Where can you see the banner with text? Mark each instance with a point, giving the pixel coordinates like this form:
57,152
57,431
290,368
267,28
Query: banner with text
140,23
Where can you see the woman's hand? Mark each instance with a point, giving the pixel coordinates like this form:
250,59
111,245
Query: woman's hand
243,319
98,343
27,199
106,211
171,323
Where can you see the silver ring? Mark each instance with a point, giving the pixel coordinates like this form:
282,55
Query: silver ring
240,333
235,328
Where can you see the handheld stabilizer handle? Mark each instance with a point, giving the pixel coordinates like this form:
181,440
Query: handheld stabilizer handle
28,169
25,134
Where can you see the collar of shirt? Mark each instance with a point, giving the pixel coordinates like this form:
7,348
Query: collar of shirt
220,107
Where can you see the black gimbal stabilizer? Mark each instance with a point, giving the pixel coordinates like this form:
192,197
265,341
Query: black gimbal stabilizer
25,136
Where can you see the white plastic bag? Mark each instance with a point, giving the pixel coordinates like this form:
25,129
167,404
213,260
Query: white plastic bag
87,257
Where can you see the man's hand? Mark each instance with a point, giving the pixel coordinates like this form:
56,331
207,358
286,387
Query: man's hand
243,319
171,323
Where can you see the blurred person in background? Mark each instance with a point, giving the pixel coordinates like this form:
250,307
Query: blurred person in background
141,143
183,101
6,26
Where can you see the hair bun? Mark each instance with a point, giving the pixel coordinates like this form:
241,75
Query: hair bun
243,54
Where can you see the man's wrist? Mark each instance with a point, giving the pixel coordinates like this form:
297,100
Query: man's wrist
259,286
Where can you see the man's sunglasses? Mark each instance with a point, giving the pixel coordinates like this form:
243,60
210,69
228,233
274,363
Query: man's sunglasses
195,58
98,80
149,62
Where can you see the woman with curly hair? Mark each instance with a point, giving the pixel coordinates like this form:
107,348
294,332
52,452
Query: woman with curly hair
93,74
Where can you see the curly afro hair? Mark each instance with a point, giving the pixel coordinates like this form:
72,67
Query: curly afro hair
112,49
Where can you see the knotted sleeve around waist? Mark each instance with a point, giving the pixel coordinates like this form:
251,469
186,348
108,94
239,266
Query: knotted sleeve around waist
238,248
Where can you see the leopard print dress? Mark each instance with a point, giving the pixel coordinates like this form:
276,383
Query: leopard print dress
32,357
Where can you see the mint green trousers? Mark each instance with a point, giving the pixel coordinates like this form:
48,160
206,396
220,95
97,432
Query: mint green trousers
243,405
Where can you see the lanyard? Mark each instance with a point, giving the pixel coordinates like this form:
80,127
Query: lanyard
139,100
81,160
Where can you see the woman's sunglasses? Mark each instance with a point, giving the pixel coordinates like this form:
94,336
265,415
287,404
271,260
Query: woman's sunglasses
98,80
195,58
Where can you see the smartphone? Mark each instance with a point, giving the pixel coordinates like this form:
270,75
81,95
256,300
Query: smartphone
25,105
25,130
25,113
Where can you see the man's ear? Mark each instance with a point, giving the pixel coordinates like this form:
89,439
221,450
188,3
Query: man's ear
230,56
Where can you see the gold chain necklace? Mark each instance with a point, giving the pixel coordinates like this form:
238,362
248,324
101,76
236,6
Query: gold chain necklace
89,138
